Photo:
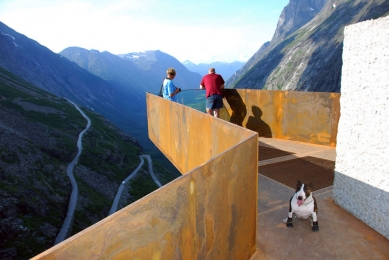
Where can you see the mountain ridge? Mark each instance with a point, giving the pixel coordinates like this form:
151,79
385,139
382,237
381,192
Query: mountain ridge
37,64
309,59
225,69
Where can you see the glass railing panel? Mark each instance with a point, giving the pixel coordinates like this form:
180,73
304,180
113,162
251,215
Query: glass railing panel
193,98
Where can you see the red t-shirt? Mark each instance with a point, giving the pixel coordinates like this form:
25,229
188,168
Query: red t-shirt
212,83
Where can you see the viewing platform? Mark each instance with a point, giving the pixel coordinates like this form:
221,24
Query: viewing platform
239,172
233,196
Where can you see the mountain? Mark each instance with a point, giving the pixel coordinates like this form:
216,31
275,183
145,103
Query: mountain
223,68
39,132
296,14
310,58
155,64
35,63
130,84
112,85
247,66
124,76
139,72
119,102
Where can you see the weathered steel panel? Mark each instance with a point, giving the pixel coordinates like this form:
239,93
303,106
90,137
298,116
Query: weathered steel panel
300,116
187,136
208,213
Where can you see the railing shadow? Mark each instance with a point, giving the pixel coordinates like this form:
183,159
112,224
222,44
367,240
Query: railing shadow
237,106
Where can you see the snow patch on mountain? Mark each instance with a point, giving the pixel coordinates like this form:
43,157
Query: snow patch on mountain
134,55
8,35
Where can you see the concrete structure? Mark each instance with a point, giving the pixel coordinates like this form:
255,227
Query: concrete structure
361,183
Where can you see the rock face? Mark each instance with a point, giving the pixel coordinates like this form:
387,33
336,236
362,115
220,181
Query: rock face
296,14
233,80
310,58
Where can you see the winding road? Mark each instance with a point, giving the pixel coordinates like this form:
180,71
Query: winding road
119,193
73,198
63,234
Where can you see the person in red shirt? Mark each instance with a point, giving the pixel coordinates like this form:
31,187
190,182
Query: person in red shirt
213,84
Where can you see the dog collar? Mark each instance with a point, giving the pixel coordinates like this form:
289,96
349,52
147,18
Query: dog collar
308,200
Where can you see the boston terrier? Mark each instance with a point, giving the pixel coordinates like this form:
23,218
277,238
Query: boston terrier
303,205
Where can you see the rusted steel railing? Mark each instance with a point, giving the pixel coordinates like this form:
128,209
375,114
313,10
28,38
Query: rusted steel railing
207,213
310,117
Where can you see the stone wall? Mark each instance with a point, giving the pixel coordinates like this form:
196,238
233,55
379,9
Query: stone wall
361,184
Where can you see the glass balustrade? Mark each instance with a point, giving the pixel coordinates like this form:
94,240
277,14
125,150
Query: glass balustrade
193,98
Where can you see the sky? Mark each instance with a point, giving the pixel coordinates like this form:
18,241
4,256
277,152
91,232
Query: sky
198,31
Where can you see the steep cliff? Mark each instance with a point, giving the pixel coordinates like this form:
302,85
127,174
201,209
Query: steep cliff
294,15
310,59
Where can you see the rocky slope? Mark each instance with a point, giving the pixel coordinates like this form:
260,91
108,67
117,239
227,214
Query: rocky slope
296,14
309,59
293,16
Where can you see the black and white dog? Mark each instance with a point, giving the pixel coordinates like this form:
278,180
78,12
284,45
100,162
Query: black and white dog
303,205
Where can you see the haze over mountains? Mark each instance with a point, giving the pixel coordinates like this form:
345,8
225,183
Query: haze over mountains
226,70
304,54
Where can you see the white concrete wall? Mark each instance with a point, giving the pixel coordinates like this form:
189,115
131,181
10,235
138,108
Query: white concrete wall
361,184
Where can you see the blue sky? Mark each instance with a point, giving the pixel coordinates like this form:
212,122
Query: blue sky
199,31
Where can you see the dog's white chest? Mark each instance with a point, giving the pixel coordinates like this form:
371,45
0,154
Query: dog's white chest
305,210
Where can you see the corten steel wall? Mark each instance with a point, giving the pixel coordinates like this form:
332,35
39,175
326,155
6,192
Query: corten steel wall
208,213
188,137
310,117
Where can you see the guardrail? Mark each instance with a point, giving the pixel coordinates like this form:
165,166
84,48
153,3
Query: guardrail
207,213
310,117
